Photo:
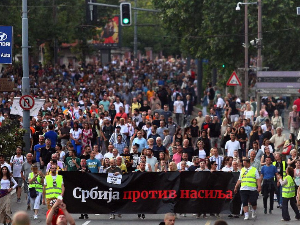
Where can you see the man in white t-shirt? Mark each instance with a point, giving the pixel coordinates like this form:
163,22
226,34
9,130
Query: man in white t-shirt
16,163
232,145
109,153
179,110
117,104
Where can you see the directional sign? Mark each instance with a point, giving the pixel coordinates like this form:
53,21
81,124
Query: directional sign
26,102
6,44
234,80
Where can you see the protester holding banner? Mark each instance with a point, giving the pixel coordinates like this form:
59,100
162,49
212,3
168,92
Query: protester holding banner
250,186
5,189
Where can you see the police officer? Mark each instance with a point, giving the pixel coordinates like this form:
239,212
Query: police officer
53,186
250,186
288,194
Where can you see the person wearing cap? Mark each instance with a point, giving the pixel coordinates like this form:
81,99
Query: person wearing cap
250,186
35,180
114,137
53,186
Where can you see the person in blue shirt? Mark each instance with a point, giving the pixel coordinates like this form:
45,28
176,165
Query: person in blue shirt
142,142
51,135
268,173
93,164
37,149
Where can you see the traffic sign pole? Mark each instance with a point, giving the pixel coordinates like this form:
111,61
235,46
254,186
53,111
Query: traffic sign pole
25,79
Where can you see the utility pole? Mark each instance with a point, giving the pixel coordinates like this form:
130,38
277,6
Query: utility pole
199,80
55,39
259,46
135,40
246,51
25,79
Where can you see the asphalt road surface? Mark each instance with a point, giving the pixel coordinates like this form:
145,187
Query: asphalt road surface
268,219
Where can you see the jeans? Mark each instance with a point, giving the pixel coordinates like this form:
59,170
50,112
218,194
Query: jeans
285,210
279,195
77,148
268,191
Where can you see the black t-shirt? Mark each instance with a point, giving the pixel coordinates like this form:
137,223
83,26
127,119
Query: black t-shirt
157,150
156,122
46,154
144,108
193,167
211,94
108,131
194,131
85,156
280,103
215,129
234,111
127,158
190,152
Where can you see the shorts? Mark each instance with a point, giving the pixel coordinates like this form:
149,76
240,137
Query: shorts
19,181
249,197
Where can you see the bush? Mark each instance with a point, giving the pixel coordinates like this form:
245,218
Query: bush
11,137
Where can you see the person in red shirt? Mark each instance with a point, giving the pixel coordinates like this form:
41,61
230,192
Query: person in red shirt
57,211
297,103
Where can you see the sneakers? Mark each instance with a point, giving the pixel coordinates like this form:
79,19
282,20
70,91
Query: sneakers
35,217
265,211
18,200
112,217
28,207
119,215
270,211
253,214
246,217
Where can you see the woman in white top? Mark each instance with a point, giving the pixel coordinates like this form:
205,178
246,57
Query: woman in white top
228,164
266,143
276,120
5,189
248,113
76,135
297,173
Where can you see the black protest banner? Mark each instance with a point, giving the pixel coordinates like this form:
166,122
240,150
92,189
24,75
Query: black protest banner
152,193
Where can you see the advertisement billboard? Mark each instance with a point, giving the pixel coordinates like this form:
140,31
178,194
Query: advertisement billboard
6,43
109,35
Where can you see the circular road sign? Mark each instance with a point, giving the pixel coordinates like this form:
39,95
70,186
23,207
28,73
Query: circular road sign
26,102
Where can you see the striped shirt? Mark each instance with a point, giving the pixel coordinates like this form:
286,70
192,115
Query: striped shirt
218,160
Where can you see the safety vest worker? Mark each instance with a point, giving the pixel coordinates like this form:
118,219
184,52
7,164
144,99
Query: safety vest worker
53,186
250,186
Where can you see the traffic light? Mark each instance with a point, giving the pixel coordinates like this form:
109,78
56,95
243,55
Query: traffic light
125,13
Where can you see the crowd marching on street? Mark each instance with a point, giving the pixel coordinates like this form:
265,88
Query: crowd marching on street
131,116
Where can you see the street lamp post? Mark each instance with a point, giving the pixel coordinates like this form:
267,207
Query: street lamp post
246,44
259,31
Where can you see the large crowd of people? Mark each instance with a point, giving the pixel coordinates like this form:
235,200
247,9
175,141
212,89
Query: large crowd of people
132,116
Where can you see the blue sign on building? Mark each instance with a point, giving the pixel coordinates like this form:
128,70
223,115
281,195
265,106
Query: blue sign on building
6,44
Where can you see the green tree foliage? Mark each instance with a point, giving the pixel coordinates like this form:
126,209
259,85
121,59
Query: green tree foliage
63,20
11,137
215,30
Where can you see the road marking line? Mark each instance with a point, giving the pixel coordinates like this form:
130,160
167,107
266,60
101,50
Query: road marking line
208,222
86,223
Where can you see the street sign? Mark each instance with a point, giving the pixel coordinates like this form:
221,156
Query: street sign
6,85
6,43
234,80
26,102
278,80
